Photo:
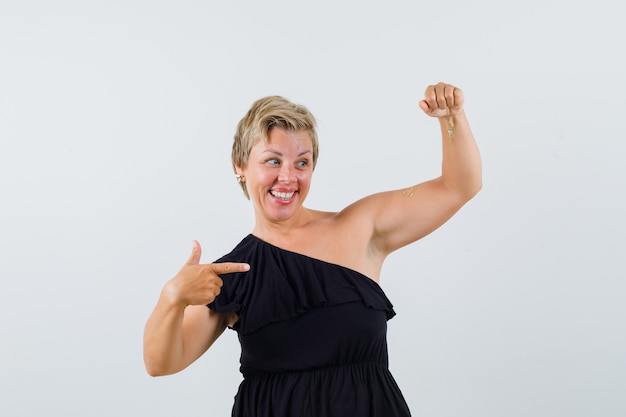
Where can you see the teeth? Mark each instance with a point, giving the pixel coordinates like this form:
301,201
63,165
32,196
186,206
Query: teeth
282,196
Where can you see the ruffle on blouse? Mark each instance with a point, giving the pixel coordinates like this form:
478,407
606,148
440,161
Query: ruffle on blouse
293,283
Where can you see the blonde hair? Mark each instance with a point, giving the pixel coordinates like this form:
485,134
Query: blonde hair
266,114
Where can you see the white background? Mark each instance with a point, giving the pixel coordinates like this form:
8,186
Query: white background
116,121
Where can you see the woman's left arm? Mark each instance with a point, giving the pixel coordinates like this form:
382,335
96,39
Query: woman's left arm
403,216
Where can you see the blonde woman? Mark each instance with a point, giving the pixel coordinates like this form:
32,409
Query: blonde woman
302,288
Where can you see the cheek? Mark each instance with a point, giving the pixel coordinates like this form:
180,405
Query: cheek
304,179
263,176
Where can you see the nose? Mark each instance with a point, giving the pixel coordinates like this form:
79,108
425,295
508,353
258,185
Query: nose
287,174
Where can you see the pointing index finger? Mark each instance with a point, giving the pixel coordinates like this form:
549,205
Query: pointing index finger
228,267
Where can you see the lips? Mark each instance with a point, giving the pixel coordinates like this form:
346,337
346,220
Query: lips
284,196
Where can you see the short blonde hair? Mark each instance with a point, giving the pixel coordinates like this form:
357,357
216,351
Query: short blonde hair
266,114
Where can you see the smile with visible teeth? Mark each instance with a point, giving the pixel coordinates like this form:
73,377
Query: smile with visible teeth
282,196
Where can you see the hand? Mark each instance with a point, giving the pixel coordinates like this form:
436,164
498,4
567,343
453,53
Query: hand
442,100
199,284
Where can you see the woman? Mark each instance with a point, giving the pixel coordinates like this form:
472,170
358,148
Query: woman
302,289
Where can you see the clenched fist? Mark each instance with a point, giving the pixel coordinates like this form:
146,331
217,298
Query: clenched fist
442,100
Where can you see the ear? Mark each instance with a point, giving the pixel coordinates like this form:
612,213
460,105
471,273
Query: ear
239,175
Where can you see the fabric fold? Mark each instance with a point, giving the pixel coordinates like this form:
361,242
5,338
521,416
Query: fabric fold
282,285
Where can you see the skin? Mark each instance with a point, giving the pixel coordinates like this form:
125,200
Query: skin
278,178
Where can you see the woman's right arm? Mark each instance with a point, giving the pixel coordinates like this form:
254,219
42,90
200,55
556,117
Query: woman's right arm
181,327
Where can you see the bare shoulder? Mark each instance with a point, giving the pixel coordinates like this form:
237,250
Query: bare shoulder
351,220
362,213
343,238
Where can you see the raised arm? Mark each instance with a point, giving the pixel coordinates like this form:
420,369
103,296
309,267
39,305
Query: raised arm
403,216
181,327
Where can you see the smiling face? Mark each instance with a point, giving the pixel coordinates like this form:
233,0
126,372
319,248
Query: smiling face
278,174
267,114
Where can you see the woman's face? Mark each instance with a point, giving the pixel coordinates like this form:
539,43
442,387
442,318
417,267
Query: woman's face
278,174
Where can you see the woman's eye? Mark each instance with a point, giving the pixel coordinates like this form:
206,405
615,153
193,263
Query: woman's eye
272,161
303,164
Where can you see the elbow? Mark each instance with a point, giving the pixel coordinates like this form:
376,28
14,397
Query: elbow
473,185
154,371
155,368
464,187
469,190
477,186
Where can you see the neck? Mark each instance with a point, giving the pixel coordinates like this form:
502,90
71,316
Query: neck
279,229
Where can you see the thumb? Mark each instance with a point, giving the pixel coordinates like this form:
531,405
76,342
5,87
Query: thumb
425,107
196,252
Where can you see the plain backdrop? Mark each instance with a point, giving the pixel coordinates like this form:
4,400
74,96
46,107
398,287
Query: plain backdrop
116,122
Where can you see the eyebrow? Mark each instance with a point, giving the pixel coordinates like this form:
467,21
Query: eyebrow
280,154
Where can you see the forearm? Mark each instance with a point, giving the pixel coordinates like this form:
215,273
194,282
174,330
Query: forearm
461,166
163,338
